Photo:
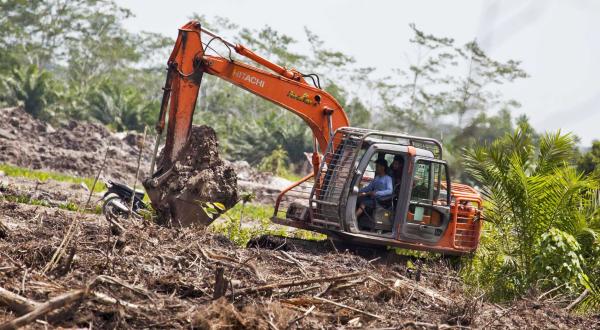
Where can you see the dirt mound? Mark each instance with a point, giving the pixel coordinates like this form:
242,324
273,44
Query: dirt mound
198,176
156,277
75,148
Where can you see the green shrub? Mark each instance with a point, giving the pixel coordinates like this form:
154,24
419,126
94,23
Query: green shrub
559,261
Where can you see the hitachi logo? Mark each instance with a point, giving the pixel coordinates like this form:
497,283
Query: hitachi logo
246,77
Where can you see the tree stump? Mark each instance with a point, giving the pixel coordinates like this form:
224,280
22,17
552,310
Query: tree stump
3,231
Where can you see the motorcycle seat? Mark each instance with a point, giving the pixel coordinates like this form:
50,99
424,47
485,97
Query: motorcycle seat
129,190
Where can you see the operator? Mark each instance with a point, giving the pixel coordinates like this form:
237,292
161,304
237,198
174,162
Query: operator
380,187
396,172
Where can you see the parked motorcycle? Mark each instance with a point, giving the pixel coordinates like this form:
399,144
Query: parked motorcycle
117,200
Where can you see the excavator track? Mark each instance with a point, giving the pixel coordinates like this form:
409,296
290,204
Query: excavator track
372,253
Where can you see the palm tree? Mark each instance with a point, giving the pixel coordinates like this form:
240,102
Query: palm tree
118,106
536,202
34,88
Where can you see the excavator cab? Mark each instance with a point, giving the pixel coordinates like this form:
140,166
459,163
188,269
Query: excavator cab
422,213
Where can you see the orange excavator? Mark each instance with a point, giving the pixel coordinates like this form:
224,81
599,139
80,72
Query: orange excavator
423,211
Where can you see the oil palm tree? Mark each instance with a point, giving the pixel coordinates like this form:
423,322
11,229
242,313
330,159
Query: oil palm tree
118,106
531,191
34,88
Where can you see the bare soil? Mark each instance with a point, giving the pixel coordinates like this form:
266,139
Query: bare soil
78,148
74,148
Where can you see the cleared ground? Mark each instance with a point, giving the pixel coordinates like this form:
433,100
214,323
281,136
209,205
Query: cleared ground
148,276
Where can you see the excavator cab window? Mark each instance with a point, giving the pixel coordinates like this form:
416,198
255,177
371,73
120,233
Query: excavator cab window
428,211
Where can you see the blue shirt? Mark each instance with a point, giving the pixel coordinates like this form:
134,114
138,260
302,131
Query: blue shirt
382,185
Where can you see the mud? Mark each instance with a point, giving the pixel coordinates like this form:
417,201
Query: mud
198,176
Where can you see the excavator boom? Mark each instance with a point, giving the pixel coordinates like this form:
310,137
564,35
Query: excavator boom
286,88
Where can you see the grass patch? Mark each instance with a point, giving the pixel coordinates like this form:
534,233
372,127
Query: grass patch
16,171
256,221
288,175
69,206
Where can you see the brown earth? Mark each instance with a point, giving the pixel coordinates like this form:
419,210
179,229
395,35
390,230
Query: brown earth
156,277
74,148
78,148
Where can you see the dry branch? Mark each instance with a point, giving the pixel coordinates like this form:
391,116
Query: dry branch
295,261
108,300
45,308
314,312
308,311
383,284
575,302
348,307
15,302
288,284
230,262
408,284
424,325
117,281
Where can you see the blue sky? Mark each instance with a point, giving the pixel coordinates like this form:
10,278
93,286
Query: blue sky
557,41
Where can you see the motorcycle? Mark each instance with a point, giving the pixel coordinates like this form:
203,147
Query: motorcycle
117,200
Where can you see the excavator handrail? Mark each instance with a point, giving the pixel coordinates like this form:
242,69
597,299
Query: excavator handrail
286,190
411,138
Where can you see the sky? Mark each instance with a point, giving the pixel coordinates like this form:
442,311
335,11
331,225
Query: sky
557,41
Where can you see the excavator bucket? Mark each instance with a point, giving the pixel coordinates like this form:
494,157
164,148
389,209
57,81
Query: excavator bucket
189,171
198,177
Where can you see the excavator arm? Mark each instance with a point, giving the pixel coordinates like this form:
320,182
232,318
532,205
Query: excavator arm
284,87
181,202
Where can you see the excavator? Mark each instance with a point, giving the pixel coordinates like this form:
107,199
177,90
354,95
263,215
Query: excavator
425,210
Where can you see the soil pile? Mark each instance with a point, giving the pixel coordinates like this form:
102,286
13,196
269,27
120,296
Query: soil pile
75,148
198,176
157,277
